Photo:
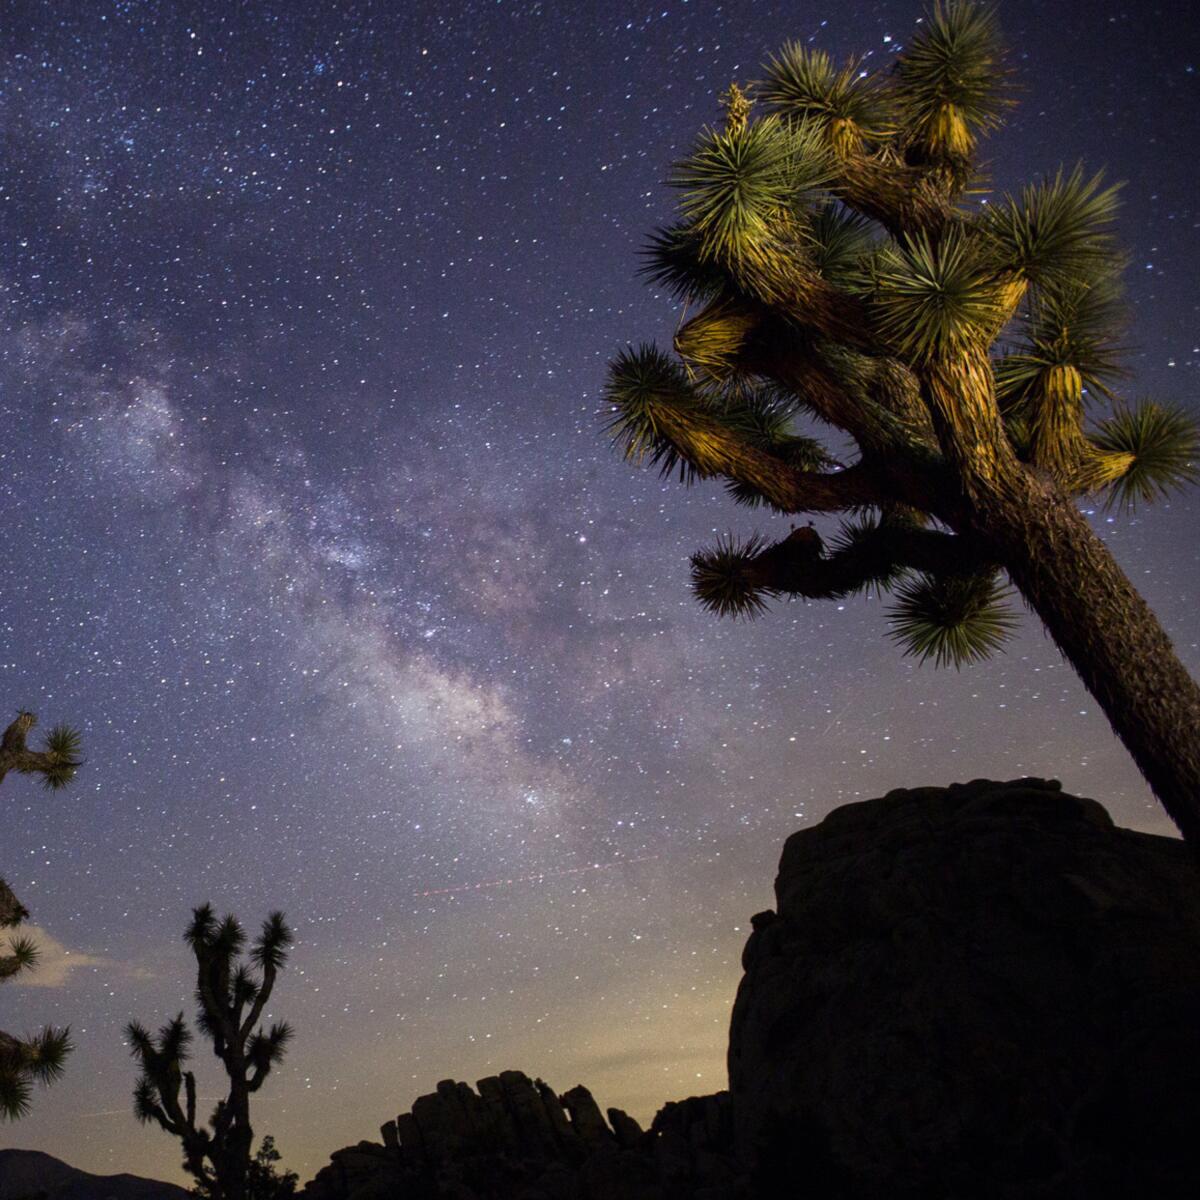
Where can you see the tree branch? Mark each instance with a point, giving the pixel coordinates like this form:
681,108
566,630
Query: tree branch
799,565
12,911
14,754
260,1002
712,448
56,764
905,200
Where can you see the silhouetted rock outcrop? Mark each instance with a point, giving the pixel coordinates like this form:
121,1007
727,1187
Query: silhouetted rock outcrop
514,1137
982,992
32,1175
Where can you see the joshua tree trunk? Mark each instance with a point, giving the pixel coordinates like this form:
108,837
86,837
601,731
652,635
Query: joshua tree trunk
1106,631
234,1165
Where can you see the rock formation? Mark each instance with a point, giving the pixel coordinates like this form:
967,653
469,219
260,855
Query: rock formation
985,992
514,1137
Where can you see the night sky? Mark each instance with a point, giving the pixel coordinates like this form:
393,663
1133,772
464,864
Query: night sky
309,524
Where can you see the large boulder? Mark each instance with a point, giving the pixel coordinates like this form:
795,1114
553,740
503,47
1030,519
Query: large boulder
983,991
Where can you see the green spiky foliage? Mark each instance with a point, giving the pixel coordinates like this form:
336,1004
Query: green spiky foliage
839,241
743,187
57,762
1076,327
24,1061
805,84
720,580
1057,231
39,1057
932,296
843,272
233,988
950,82
953,619
1164,445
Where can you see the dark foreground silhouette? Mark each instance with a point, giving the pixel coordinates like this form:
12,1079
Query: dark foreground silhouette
31,1175
983,991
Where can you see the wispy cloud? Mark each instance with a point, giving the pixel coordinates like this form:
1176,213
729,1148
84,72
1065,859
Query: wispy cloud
56,962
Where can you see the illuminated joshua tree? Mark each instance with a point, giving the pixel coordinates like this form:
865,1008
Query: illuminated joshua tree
840,266
40,1058
232,996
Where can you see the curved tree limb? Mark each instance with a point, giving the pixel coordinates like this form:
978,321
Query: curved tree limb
800,566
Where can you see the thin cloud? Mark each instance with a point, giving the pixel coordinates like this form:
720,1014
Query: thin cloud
56,963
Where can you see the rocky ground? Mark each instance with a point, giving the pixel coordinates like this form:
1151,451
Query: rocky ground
985,992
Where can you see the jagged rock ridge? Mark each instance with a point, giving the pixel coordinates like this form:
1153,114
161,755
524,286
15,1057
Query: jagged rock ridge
982,991
516,1137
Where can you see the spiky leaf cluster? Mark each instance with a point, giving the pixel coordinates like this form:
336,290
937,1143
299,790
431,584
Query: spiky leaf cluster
649,397
673,259
656,414
1165,446
805,84
739,186
1079,326
933,299
63,746
953,619
1059,231
950,80
839,240
57,763
24,1061
720,580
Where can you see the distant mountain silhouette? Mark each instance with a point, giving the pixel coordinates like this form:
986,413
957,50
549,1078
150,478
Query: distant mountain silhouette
32,1175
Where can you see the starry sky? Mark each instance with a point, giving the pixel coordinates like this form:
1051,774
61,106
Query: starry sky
308,523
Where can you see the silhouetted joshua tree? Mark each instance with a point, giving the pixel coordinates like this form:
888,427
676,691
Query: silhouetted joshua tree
24,1061
231,998
40,1058
839,266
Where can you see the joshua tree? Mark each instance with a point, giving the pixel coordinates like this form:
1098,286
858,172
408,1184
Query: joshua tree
232,998
56,764
24,1060
39,1058
840,265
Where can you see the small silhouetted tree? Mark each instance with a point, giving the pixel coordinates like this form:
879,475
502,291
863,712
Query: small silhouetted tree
231,996
39,1058
839,265
264,1180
